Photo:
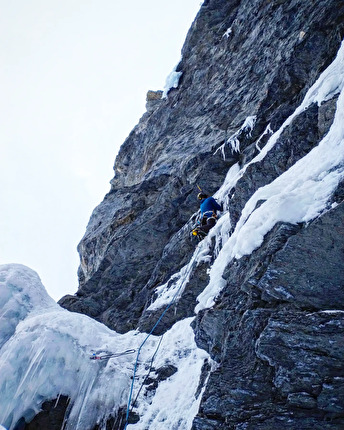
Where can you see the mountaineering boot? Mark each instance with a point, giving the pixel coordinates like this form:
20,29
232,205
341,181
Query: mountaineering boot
199,233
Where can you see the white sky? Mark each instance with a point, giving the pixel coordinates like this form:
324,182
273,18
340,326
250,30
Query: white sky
73,80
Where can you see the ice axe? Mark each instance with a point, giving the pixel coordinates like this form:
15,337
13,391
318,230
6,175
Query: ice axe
201,191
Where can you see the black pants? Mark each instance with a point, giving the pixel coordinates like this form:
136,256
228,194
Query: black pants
207,224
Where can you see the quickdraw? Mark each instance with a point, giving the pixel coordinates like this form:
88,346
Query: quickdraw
115,354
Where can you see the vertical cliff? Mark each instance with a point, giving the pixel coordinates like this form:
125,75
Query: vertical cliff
258,93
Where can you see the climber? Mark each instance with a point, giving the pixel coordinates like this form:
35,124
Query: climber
208,208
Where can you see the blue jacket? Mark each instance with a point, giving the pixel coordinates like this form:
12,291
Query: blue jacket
209,205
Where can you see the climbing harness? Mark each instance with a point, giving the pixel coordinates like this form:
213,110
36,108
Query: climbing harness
207,216
115,354
145,340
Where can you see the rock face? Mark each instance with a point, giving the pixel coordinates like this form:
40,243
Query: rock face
52,415
280,353
276,330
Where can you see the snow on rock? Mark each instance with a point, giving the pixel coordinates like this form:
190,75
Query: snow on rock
46,353
172,81
175,403
298,195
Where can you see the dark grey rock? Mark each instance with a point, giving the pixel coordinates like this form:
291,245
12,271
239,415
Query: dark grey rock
309,270
160,374
50,418
118,421
302,400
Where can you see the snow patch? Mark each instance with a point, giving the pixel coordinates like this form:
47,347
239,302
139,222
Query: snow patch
332,311
247,127
172,81
228,32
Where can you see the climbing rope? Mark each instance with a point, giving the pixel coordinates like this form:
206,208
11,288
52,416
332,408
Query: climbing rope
148,373
146,338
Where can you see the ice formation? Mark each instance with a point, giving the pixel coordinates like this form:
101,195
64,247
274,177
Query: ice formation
46,351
